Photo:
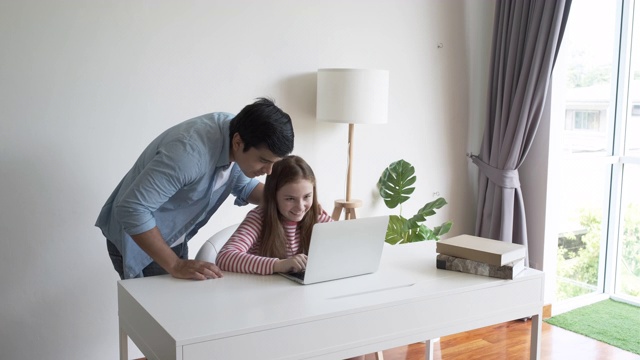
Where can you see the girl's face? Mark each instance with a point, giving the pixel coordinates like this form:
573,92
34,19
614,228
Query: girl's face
295,199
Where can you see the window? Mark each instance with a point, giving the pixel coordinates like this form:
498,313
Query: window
583,120
596,81
586,120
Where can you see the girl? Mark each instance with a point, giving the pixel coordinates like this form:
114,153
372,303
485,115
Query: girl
274,237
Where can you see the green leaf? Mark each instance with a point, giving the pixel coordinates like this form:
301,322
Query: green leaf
426,211
430,208
419,233
395,183
442,229
425,231
395,186
395,230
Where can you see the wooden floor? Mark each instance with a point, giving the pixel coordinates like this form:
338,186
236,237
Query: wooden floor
510,341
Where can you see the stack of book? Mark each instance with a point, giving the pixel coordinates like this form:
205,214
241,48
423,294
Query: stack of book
481,256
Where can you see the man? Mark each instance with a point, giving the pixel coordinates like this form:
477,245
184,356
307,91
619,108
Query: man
181,179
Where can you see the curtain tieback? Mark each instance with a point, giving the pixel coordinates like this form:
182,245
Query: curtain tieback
509,179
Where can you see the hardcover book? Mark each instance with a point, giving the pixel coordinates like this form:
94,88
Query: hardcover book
508,271
493,252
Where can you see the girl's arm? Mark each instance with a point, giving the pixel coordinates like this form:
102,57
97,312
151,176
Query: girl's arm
324,217
238,254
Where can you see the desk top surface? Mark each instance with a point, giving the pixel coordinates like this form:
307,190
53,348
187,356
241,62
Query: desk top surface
241,303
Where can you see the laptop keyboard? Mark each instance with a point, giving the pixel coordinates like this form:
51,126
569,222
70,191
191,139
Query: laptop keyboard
299,275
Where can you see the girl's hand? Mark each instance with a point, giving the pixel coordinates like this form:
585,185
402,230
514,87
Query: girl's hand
295,263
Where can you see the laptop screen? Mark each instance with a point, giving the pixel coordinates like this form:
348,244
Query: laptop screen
347,248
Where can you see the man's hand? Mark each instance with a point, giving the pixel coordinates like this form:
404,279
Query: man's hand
195,270
152,243
295,263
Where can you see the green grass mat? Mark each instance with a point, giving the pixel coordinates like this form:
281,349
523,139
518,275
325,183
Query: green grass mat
609,321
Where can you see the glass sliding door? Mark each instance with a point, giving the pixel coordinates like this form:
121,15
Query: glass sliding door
627,284
627,259
585,83
597,83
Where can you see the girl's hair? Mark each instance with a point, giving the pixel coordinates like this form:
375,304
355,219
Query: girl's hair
273,240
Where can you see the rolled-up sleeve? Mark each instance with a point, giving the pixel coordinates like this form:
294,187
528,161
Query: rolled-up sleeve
242,187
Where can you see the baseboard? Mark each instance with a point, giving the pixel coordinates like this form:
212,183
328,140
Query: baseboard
546,311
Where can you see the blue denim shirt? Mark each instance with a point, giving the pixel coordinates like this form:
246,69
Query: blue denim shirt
171,186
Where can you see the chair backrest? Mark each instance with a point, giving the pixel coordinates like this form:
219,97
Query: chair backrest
209,250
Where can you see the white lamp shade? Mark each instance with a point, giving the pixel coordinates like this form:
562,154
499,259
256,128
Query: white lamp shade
354,96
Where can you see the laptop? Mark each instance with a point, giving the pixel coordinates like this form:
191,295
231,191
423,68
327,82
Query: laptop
342,249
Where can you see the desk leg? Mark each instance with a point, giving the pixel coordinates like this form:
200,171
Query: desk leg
379,355
428,349
536,334
124,345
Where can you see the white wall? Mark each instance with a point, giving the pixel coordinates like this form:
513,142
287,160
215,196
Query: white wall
85,85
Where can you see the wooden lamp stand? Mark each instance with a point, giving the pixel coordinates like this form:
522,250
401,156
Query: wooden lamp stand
347,204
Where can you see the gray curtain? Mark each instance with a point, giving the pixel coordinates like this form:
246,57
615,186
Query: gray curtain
526,39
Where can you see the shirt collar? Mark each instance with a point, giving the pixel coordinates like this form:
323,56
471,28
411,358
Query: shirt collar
223,160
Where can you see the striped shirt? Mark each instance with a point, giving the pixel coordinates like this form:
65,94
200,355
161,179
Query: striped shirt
240,253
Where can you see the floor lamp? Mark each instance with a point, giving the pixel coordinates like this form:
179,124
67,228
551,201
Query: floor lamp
352,96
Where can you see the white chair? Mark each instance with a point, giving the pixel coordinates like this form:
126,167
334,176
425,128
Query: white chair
209,250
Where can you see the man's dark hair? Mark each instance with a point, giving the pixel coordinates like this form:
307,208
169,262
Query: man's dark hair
264,124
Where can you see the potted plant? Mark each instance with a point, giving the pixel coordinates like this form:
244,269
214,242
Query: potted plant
395,187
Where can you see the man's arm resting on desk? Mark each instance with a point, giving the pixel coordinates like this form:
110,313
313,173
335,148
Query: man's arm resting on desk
153,244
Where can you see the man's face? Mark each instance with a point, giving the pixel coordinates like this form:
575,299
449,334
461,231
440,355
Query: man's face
255,162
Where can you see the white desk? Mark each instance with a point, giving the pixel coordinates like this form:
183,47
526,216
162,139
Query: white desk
269,317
